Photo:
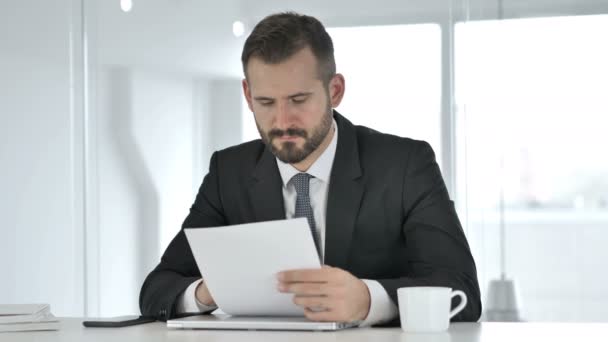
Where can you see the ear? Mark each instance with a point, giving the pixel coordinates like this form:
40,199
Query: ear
247,93
336,90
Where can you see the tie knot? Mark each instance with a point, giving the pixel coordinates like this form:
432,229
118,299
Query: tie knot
301,182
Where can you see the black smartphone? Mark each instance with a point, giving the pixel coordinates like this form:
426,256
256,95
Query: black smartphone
117,322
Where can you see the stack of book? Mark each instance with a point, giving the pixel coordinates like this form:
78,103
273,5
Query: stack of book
27,317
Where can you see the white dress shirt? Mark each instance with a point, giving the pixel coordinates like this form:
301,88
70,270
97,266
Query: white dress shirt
382,309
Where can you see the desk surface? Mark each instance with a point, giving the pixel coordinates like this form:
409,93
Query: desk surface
72,330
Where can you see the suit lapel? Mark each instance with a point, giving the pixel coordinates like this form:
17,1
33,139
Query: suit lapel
344,195
265,192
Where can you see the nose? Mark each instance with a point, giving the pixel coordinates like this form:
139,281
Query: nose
283,116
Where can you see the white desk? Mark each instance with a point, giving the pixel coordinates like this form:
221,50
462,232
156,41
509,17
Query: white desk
73,331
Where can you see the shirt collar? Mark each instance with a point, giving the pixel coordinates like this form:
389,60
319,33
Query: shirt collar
320,169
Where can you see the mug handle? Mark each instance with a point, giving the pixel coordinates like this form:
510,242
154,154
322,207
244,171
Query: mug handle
463,302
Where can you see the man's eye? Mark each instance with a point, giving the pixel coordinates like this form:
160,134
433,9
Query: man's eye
266,103
298,100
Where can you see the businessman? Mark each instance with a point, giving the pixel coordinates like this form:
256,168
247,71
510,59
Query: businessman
377,205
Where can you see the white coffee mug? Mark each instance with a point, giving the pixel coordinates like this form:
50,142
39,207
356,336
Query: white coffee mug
427,308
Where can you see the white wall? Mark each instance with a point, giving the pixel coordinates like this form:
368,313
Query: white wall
153,127
146,122
157,130
153,94
41,233
180,36
150,135
226,113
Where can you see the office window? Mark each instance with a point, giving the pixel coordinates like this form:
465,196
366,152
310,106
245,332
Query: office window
393,80
531,128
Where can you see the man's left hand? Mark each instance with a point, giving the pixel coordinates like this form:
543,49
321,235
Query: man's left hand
327,294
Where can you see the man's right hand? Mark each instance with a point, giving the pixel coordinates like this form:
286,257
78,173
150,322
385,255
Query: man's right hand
203,295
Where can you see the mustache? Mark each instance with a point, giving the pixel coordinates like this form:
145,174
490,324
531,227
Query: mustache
292,132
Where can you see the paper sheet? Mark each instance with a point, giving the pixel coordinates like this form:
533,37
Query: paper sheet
239,264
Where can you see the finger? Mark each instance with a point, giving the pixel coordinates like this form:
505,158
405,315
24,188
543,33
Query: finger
311,303
304,275
303,289
322,316
335,291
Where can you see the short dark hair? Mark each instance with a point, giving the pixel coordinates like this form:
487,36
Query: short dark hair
279,36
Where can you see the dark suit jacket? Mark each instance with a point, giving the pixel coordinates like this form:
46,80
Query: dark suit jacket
389,217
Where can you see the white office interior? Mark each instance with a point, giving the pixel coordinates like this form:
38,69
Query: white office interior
110,110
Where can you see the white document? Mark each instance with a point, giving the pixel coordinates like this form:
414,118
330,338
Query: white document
27,317
51,324
239,264
23,313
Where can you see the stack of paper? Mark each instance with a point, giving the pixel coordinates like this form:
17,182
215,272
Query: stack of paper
27,317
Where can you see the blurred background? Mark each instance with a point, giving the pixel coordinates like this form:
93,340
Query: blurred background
110,110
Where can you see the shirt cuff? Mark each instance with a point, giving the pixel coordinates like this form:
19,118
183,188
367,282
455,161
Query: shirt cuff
187,302
381,307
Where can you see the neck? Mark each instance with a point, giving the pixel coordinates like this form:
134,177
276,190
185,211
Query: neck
305,164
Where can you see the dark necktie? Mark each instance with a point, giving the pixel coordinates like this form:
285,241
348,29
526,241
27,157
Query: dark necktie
301,181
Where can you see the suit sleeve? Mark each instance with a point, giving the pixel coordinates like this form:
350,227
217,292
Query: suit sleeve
438,253
177,269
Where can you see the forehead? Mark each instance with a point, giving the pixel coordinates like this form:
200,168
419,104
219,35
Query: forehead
299,72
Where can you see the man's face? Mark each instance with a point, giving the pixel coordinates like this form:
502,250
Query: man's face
291,106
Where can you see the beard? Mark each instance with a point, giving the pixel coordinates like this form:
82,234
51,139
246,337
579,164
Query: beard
289,152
